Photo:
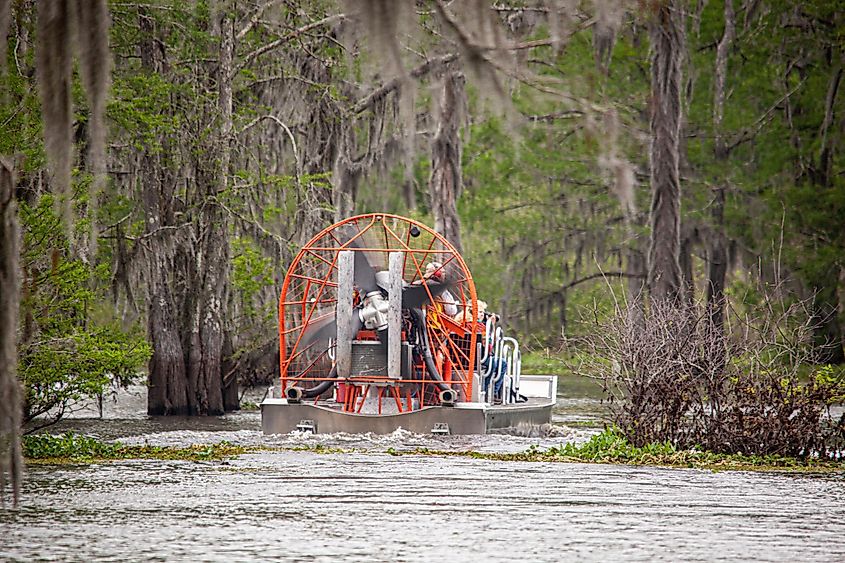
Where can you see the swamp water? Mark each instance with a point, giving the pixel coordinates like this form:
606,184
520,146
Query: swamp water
371,506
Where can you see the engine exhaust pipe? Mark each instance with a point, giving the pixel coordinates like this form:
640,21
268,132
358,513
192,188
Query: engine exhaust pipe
293,395
448,397
428,359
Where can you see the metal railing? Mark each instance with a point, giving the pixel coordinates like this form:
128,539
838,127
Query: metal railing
500,365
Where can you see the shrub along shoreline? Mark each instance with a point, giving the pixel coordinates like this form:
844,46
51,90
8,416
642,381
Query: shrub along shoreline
612,448
608,447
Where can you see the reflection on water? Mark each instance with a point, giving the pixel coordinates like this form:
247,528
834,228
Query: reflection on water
366,505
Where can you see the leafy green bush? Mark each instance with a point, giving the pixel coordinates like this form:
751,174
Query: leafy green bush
65,352
611,446
69,445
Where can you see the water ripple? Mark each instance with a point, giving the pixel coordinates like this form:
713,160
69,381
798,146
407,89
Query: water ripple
369,506
297,505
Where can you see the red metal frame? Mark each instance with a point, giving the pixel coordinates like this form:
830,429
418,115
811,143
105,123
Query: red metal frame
309,285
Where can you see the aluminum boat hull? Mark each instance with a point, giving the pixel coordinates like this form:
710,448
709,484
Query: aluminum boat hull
278,416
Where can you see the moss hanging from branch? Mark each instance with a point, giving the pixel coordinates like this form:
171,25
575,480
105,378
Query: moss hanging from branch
56,22
63,25
92,43
10,397
383,21
5,20
53,69
608,21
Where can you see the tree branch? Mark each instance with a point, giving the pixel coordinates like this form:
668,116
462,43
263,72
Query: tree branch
565,114
287,130
379,93
830,100
253,20
614,274
751,131
248,58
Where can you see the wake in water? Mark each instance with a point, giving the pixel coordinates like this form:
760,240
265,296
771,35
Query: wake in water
125,420
513,440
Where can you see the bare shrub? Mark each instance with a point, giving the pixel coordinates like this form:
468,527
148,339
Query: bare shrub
670,375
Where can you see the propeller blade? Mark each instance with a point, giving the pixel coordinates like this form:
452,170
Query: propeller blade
324,329
415,296
321,329
382,338
357,323
365,274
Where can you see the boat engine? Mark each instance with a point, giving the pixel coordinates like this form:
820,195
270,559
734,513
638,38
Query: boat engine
363,322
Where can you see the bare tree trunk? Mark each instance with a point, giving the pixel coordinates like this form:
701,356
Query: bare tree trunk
344,188
10,280
409,193
205,365
215,326
445,182
826,152
667,43
717,258
717,247
224,88
636,281
231,399
825,278
827,335
167,392
687,293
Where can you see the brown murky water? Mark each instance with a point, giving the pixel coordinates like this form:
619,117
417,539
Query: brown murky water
370,506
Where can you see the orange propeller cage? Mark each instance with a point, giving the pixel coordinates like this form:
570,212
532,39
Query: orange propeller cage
309,295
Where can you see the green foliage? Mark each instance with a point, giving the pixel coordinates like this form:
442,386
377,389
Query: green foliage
65,356
785,204
833,377
249,406
76,448
68,445
79,364
610,446
543,362
251,273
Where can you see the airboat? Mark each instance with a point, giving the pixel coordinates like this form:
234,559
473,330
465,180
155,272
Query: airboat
380,328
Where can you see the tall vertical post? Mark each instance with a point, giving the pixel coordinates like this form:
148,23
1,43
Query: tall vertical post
394,316
345,277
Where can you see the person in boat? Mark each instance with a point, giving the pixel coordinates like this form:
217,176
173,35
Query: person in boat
434,271
465,314
492,365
